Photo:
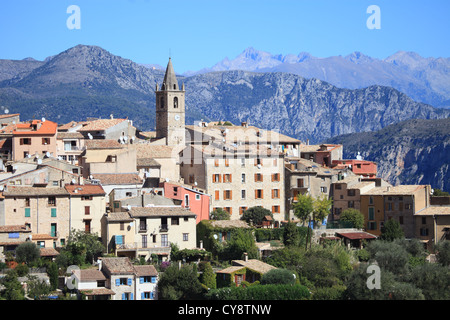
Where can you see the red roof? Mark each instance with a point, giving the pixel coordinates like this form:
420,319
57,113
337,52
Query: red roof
87,189
46,127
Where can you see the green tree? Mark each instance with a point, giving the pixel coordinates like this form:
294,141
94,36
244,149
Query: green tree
391,231
179,284
291,235
219,214
433,279
208,277
304,207
92,246
13,288
278,276
53,272
353,216
27,252
255,215
321,208
37,289
442,249
241,241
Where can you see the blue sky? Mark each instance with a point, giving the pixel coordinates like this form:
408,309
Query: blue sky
199,33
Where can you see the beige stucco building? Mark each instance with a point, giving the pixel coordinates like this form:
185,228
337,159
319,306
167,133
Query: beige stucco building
143,231
237,177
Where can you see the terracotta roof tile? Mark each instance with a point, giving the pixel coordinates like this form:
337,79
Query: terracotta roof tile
87,189
159,211
118,265
100,124
118,178
46,127
24,191
145,270
14,228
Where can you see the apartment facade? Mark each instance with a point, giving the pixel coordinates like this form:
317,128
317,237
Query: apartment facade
36,137
43,210
87,207
394,202
432,225
237,178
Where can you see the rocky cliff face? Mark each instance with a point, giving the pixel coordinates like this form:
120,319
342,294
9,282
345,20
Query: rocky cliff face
302,108
409,152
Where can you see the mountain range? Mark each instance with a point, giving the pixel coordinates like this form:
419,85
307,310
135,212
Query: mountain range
409,152
88,81
425,80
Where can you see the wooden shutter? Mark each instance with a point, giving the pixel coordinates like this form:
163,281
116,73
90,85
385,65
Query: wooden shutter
217,195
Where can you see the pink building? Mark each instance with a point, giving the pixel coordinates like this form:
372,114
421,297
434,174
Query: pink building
35,137
192,198
359,167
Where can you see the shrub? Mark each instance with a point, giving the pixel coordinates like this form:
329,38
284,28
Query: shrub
260,292
278,276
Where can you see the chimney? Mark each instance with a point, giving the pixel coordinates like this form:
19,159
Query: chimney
201,244
245,256
99,262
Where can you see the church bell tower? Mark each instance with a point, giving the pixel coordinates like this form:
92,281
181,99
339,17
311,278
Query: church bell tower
170,109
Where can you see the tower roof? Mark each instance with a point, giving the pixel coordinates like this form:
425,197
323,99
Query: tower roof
170,80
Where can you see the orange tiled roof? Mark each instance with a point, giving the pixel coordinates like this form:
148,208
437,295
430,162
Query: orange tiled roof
46,127
101,124
86,189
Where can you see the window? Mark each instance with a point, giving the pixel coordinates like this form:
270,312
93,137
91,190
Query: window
216,162
217,178
175,221
243,194
370,199
424,232
371,213
242,162
227,162
424,220
258,162
371,225
175,101
259,194
27,202
122,226
186,200
275,177
323,189
217,195
351,193
241,210
300,183
275,209
53,231
53,212
161,102
351,204
45,141
258,177
227,195
144,241
243,178
400,219
25,141
227,177
27,212
408,206
185,236
228,209
337,186
276,194
52,201
87,210
164,240
147,295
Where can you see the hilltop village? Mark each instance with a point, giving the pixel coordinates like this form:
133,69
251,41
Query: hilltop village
142,193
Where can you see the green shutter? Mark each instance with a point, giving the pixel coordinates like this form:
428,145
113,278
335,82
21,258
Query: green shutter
53,212
27,212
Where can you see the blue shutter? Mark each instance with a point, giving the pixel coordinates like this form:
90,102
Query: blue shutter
129,281
142,296
153,279
117,282
151,295
131,296
141,279
124,297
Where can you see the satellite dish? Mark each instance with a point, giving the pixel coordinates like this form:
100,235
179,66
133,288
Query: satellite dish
215,236
43,119
47,154
167,179
6,111
39,161
90,136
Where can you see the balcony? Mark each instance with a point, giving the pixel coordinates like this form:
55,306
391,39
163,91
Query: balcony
164,228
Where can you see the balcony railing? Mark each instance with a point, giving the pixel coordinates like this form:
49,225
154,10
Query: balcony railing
164,228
